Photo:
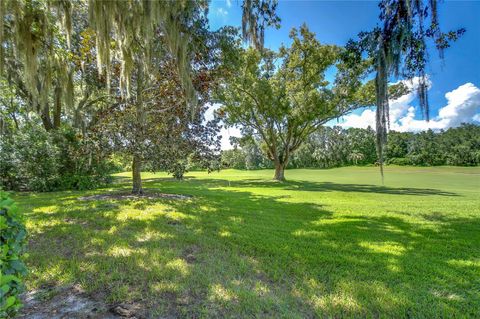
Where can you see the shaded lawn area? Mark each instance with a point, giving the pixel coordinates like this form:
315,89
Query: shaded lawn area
327,243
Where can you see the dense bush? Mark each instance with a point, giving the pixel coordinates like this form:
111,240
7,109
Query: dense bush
399,161
12,268
28,161
34,159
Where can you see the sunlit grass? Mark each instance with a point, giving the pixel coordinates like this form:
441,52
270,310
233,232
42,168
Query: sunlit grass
327,243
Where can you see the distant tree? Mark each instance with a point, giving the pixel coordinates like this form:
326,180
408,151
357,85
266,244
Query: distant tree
252,154
333,147
424,149
461,145
398,144
362,141
303,157
281,106
234,158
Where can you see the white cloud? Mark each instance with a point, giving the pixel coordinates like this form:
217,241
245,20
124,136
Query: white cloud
226,133
398,108
222,12
363,120
210,112
463,105
229,3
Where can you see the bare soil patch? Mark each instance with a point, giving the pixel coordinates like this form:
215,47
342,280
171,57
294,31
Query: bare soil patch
190,254
72,302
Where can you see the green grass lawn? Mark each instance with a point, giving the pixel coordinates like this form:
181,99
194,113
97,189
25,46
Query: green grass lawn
327,243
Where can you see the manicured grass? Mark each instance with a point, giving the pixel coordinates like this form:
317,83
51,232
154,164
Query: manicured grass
327,243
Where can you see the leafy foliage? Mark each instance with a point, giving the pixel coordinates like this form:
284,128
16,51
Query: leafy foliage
12,244
196,144
280,106
106,59
156,127
33,159
456,146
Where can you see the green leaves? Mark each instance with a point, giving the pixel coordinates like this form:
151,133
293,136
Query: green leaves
12,243
280,98
33,159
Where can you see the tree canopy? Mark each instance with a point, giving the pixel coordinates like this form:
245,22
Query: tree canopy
282,97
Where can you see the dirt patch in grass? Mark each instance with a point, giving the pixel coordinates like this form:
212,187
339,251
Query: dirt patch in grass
148,194
72,302
190,254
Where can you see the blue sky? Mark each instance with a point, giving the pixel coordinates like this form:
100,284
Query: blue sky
454,94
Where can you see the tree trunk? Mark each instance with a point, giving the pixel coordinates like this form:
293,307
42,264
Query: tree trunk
138,136
279,172
58,108
45,116
137,178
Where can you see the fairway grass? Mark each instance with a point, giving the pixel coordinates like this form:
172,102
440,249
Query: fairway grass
326,243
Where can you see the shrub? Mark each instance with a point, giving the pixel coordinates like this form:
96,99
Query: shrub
402,161
12,245
28,161
33,159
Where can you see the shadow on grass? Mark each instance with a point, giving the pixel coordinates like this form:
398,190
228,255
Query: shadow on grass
317,186
230,253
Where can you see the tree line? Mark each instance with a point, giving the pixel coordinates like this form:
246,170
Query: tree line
330,147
